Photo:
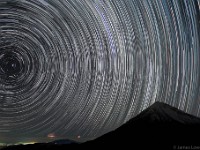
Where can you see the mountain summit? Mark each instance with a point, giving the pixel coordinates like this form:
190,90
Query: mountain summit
163,113
159,126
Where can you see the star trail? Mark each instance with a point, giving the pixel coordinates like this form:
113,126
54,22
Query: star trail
81,68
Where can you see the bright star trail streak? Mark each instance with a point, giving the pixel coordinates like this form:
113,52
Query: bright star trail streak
82,68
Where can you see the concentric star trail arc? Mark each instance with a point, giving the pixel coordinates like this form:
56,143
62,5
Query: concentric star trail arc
72,68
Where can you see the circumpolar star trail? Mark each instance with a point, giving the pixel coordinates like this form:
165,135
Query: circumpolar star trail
82,68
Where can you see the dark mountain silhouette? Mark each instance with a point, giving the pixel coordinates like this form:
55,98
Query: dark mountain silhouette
160,126
63,142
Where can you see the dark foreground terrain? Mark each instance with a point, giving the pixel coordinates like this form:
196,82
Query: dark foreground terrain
158,127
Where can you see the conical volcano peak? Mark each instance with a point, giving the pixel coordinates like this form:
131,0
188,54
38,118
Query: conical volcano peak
159,123
165,113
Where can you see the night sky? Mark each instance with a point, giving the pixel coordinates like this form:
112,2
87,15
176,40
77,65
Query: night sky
80,68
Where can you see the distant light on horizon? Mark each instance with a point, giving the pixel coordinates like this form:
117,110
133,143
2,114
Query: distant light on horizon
26,143
78,136
51,135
